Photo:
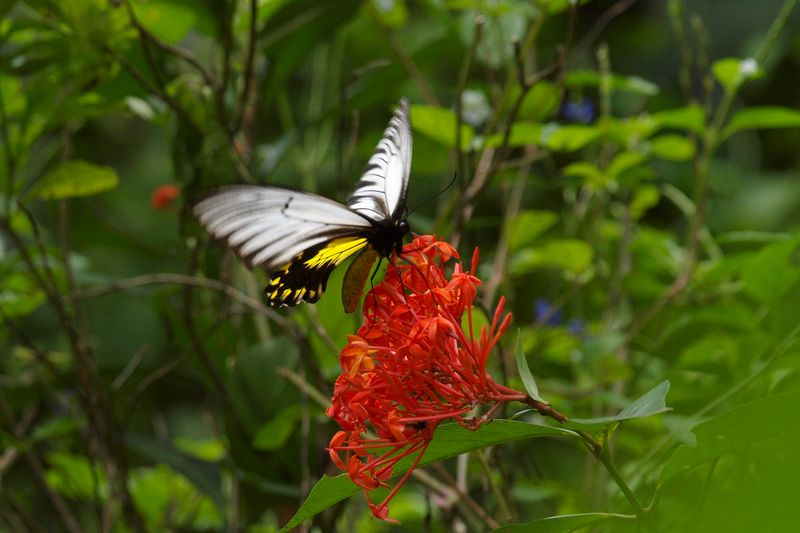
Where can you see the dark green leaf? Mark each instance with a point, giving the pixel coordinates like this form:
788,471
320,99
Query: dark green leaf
570,255
172,20
522,134
439,124
632,84
570,137
761,118
737,429
731,72
76,178
771,272
651,403
19,295
526,375
540,103
564,523
273,434
450,440
528,226
690,118
205,476
672,147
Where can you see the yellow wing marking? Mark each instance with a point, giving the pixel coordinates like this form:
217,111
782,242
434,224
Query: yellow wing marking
335,252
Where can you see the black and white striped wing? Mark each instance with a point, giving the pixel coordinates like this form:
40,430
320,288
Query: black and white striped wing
270,226
381,192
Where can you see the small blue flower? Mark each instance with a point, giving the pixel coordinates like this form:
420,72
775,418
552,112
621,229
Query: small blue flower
581,111
576,327
544,311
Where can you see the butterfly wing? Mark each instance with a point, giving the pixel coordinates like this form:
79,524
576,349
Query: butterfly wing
298,237
380,194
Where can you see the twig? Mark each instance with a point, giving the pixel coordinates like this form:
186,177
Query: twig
514,203
462,83
62,509
597,28
304,386
176,51
464,497
248,88
404,57
183,279
202,353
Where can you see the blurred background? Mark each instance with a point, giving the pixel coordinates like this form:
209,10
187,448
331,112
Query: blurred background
628,169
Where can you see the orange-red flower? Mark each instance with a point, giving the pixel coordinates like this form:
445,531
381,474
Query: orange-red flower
163,196
412,365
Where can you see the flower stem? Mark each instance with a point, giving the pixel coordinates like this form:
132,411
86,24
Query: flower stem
602,452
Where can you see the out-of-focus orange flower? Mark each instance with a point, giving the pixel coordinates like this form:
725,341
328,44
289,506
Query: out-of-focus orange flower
163,196
412,365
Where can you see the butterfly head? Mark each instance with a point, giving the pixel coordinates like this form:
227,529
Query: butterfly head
388,236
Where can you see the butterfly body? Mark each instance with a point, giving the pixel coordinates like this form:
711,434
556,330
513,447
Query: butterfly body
300,238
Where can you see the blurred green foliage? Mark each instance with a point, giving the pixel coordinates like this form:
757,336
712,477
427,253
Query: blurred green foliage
627,169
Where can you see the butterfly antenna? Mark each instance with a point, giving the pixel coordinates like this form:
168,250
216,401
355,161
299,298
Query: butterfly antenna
452,181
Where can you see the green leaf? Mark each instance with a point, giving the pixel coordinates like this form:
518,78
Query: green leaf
72,476
570,137
589,172
541,102
672,147
163,495
761,118
273,434
526,375
731,72
450,440
651,403
528,226
76,178
54,428
631,84
439,124
208,449
690,118
553,7
645,197
19,295
623,162
172,20
771,272
737,429
522,134
204,476
570,255
563,523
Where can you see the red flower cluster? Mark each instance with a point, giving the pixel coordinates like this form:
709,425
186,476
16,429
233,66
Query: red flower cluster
411,366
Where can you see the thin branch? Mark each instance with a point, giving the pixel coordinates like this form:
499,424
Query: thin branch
171,49
182,279
597,28
462,83
304,386
248,89
514,203
404,57
63,512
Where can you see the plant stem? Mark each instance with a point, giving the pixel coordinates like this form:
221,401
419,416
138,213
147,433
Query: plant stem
601,450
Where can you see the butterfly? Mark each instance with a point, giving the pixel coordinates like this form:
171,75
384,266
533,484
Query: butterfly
299,238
